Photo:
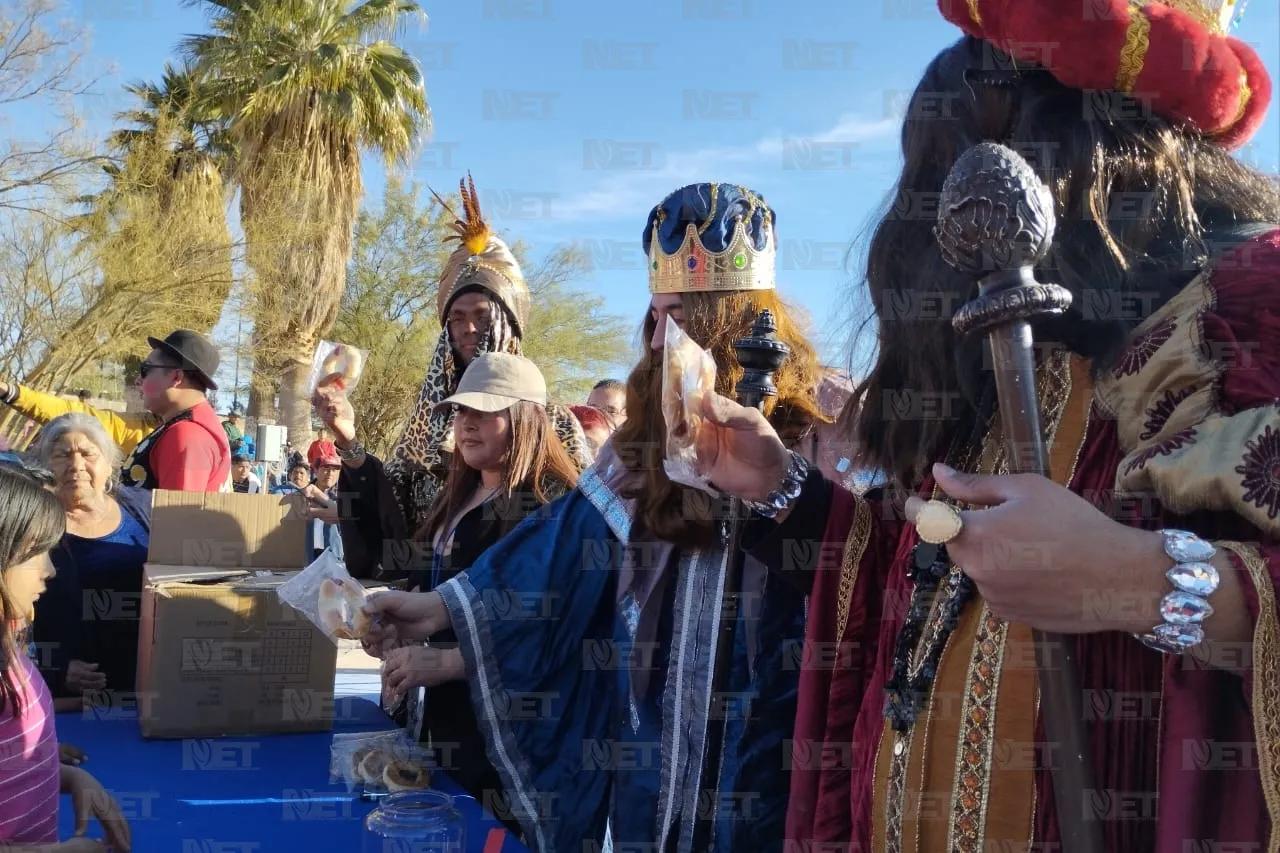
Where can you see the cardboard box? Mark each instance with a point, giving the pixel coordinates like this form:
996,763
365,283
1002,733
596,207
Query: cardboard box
218,653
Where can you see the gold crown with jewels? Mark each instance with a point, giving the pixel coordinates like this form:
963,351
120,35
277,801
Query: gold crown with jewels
692,268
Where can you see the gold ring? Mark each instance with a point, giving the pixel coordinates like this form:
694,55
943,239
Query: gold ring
938,523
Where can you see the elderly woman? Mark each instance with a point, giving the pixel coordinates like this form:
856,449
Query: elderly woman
88,618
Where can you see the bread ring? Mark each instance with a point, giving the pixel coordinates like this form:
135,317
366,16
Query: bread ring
344,361
357,758
403,775
374,766
340,605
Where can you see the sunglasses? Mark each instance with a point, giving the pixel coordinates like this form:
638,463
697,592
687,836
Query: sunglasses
148,366
10,459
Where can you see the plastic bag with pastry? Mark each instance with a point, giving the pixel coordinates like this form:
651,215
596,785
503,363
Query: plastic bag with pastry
349,752
340,364
329,597
379,762
688,375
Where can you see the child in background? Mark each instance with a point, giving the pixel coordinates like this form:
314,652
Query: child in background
32,521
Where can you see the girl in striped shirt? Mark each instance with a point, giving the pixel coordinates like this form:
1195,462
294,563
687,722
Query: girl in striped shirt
31,775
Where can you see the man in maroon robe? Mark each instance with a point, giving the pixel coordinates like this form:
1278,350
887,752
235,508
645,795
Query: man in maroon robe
919,725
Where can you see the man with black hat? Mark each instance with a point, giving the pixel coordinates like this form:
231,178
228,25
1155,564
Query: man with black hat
188,451
185,358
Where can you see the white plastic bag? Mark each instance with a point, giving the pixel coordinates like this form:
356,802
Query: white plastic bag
688,376
342,361
379,762
327,595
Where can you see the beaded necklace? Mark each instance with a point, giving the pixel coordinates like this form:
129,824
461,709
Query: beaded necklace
908,686
931,569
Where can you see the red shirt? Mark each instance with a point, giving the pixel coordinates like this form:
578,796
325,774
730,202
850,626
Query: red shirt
193,455
319,449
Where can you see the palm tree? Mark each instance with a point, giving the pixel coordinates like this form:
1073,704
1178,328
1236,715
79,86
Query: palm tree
168,116
156,233
305,86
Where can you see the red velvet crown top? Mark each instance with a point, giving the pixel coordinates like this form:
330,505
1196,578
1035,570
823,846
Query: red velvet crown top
1160,54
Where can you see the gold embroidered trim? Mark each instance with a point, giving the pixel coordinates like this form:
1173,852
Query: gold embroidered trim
1266,688
715,192
1035,791
974,14
854,548
885,732
978,725
1246,94
974,747
895,791
922,804
1137,40
1054,383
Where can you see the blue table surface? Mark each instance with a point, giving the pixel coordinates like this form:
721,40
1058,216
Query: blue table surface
251,794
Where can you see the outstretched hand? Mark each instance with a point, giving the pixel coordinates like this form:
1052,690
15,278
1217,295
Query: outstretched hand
334,409
402,617
738,450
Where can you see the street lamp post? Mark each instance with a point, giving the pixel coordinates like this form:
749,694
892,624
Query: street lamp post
235,396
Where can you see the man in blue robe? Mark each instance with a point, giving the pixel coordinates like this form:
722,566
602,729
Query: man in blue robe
588,634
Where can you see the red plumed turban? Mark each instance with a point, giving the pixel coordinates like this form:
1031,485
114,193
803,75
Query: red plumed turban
1174,55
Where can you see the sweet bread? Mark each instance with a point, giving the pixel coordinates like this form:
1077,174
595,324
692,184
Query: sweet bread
357,759
404,775
372,766
344,361
340,605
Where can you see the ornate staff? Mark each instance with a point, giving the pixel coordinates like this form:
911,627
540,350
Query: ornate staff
760,354
995,223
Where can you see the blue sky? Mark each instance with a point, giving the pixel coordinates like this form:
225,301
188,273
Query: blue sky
576,117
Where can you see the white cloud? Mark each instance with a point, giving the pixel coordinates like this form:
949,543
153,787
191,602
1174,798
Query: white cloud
849,130
618,194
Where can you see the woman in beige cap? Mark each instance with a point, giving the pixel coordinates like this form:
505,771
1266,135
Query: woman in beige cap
507,464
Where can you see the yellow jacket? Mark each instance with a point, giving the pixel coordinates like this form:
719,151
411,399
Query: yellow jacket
125,429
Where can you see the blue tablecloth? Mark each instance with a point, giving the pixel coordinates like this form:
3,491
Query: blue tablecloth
264,794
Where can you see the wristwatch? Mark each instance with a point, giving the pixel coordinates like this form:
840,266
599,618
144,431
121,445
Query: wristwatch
786,493
1184,609
353,451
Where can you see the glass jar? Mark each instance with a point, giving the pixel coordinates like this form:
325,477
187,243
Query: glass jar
414,822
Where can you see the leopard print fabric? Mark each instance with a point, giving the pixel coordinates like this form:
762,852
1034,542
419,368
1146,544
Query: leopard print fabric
418,465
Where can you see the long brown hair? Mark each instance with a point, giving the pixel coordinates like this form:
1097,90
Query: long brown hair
537,466
1138,205
32,522
668,510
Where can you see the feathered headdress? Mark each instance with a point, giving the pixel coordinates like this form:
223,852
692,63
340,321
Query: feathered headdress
482,260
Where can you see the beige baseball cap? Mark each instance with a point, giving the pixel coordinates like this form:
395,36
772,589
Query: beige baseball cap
497,380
